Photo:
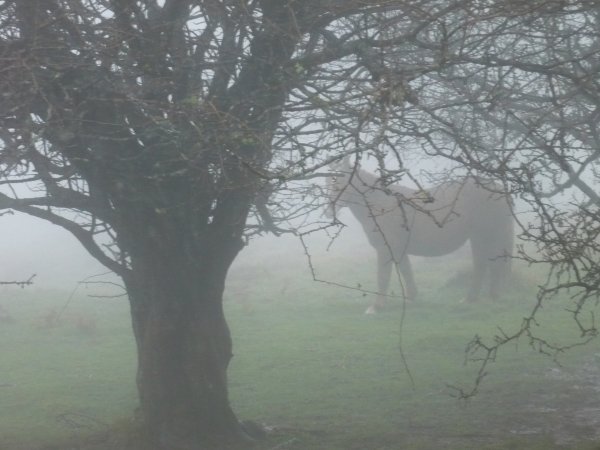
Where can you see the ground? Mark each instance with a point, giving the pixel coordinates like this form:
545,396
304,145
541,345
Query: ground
311,367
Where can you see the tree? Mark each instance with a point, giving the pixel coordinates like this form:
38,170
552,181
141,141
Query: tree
160,133
144,128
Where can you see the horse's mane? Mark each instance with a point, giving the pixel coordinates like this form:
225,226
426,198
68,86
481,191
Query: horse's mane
374,181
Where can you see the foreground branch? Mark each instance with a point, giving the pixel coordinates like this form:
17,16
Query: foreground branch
21,284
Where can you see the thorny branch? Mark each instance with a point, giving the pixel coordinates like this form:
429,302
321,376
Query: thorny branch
21,284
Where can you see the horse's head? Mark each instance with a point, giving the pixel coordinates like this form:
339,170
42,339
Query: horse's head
336,186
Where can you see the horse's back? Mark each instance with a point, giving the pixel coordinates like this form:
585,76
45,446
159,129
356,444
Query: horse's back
455,212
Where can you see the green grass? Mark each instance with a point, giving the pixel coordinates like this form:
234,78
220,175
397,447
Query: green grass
312,366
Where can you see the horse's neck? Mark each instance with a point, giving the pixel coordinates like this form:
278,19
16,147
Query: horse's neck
366,198
367,185
363,182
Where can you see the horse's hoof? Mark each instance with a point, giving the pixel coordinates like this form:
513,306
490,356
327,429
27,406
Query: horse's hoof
371,310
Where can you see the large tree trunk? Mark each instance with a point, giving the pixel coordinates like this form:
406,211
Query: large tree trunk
184,344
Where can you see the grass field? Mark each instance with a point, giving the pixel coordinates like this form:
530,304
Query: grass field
311,367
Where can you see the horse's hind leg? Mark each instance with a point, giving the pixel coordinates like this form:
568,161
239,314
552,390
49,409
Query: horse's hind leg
500,266
480,265
410,287
499,275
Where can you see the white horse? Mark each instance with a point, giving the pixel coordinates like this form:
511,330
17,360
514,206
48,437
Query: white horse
400,221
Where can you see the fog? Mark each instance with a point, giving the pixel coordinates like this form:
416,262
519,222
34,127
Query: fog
33,246
298,344
307,332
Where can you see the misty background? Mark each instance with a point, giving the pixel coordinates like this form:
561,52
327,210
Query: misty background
33,246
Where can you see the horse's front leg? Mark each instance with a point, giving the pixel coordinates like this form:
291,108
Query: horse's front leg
384,271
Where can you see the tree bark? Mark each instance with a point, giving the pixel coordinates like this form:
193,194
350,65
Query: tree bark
184,344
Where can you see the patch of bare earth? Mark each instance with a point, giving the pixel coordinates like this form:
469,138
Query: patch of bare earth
570,412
